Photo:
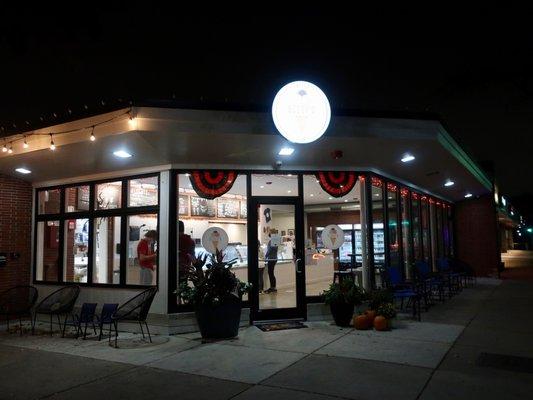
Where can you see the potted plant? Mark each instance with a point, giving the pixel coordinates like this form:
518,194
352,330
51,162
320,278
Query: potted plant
385,313
375,299
342,298
216,294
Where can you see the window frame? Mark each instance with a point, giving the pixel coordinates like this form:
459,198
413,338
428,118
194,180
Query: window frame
124,212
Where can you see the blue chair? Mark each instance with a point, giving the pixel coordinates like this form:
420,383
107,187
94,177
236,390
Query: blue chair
403,290
453,278
429,280
85,317
108,309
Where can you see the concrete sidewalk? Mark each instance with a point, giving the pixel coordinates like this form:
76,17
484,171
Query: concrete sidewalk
437,358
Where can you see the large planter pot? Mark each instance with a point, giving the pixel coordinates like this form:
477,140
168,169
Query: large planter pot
220,321
342,313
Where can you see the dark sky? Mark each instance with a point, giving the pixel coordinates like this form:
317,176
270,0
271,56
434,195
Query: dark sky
475,71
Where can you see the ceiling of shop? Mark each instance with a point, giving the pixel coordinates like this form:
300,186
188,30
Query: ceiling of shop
202,139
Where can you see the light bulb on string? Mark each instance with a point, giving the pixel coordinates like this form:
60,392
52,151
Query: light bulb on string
132,121
52,144
25,144
4,148
10,151
93,138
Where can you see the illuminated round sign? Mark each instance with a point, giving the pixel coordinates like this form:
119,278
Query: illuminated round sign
301,112
332,237
215,239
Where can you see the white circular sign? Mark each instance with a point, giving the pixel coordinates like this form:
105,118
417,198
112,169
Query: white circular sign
332,237
215,239
301,112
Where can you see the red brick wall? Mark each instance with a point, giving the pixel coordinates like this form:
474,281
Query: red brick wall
476,234
15,230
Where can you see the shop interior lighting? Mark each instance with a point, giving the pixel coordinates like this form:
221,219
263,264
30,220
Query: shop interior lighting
25,144
52,144
10,151
468,195
286,151
121,154
408,157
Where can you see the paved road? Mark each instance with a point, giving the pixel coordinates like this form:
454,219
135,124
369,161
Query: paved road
439,359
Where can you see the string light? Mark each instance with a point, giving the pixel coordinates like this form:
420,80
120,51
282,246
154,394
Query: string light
93,138
4,148
52,144
25,144
10,151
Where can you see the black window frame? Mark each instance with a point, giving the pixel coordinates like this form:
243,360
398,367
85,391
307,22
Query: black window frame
123,211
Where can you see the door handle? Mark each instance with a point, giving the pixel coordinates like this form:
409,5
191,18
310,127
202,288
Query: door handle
298,270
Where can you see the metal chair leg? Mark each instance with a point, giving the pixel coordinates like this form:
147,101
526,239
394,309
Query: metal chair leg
142,331
59,321
148,330
116,334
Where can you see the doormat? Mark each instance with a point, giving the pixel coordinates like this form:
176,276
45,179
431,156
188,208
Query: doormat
281,326
509,363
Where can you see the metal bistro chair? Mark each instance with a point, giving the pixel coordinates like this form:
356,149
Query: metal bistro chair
86,316
429,280
57,303
108,309
403,290
453,278
135,309
18,301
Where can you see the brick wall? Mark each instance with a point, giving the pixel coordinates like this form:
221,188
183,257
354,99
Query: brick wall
15,230
476,234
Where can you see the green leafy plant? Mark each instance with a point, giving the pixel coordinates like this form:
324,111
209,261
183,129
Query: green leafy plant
213,284
386,310
345,291
378,297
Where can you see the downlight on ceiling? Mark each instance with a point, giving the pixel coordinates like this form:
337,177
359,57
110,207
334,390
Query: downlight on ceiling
22,170
449,182
407,158
121,154
286,151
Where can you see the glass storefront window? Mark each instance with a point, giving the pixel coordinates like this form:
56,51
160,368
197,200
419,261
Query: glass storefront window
106,267
450,231
77,198
76,258
415,208
108,195
321,210
377,218
228,212
49,201
426,245
394,245
141,267
275,185
143,192
440,237
47,257
406,236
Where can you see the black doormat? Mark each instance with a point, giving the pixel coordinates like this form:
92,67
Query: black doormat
509,363
280,326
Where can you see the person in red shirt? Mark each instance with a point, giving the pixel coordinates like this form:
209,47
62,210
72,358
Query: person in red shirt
186,253
147,257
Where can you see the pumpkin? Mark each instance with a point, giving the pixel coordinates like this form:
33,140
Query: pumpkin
381,323
361,322
370,315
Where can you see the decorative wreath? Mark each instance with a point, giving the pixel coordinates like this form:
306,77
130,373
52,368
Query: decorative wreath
337,184
212,184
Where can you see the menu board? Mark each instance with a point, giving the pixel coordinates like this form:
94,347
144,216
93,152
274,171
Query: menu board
244,210
228,208
201,207
183,205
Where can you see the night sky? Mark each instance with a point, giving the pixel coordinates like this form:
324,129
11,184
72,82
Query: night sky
475,72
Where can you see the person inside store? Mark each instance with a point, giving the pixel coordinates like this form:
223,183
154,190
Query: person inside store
186,255
147,257
271,257
261,267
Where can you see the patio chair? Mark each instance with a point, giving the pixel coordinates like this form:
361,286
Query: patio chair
86,316
108,309
57,303
432,282
453,278
135,309
468,273
403,290
18,302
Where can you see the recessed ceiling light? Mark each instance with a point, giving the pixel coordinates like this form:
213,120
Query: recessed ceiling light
346,201
468,195
377,195
286,151
449,182
262,186
330,198
289,191
289,174
23,171
408,157
122,154
311,195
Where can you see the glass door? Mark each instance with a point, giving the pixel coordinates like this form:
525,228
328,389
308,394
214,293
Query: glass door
276,260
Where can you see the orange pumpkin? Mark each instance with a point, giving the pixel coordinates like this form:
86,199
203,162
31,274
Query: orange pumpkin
362,323
370,315
381,323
